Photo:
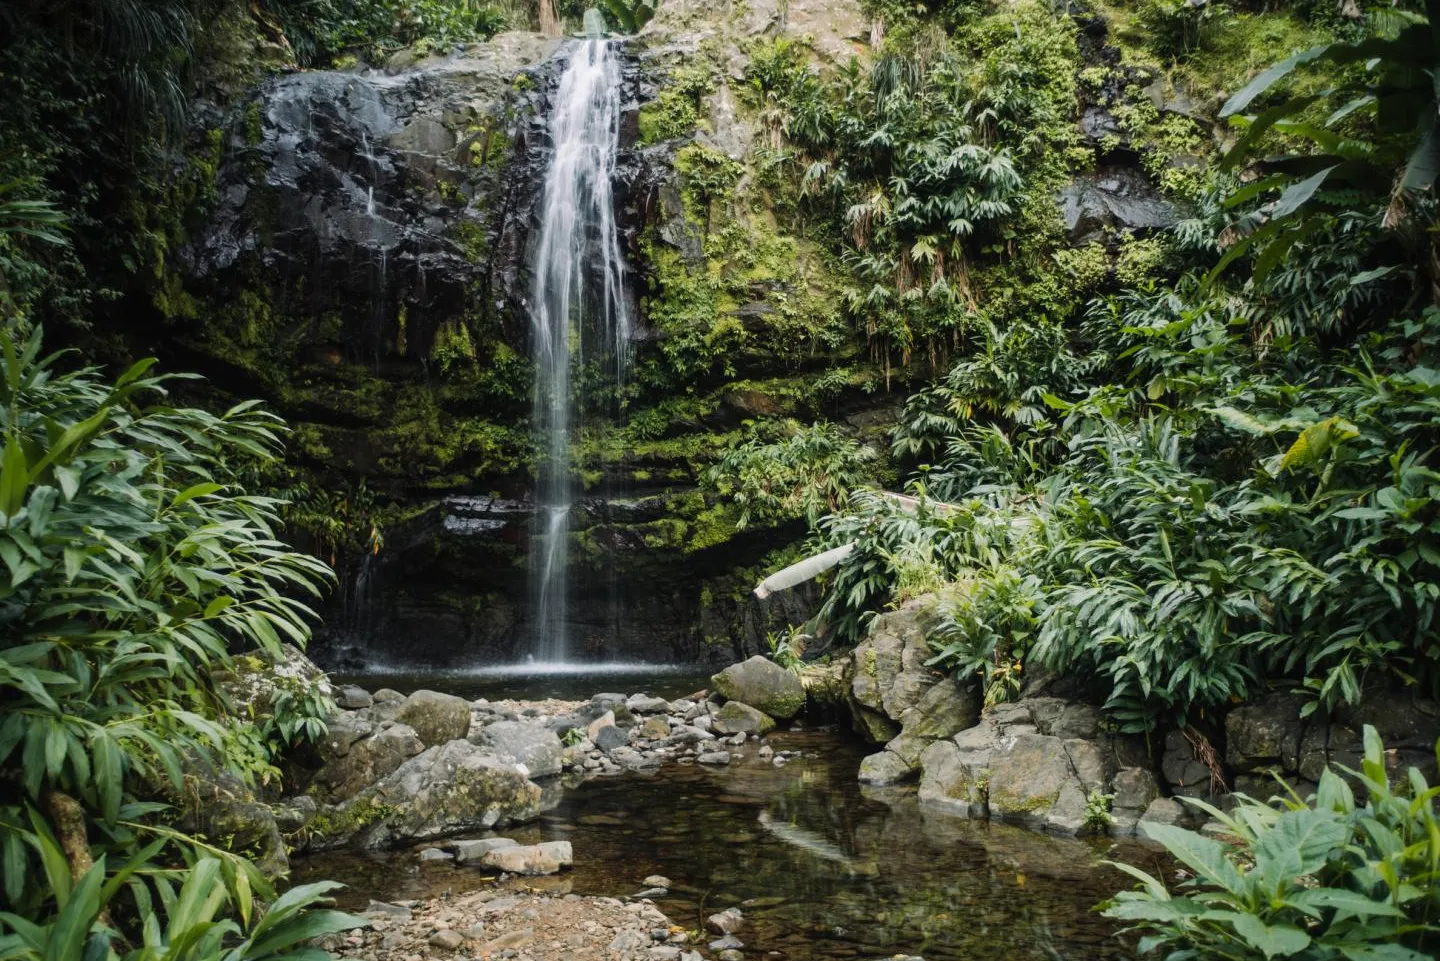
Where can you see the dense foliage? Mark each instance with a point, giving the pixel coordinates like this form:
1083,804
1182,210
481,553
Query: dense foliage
135,571
1331,878
1215,471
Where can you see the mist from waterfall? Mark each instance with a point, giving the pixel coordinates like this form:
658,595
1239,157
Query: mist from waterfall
578,299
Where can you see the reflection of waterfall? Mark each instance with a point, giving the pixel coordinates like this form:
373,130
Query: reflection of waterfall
578,284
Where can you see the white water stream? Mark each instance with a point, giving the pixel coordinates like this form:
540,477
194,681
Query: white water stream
578,298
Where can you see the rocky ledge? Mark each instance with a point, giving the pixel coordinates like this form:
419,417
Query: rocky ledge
395,769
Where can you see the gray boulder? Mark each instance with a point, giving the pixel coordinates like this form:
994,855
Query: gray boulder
530,859
1023,764
473,849
364,761
353,698
450,789
436,718
610,738
737,718
529,743
886,767
763,685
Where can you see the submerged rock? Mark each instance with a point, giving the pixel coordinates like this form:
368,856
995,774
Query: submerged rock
762,684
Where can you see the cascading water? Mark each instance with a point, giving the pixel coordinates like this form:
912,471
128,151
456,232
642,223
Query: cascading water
578,299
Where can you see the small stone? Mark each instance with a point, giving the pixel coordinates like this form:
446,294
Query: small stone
727,943
476,931
726,922
779,762
653,893
664,952
387,909
738,740
436,854
477,848
353,698
447,940
657,881
627,941
731,955
714,757
766,752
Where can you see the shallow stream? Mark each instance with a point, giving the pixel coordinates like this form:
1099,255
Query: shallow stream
822,867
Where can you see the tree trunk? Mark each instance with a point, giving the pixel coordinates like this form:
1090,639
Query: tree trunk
549,19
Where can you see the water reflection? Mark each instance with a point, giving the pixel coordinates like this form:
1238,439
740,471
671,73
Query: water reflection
822,868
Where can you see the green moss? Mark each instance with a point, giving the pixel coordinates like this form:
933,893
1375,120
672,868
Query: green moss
347,820
252,124
676,111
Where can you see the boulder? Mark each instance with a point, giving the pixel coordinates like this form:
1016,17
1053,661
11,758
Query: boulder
364,761
436,718
449,789
1022,764
353,698
528,742
529,859
473,849
645,704
889,676
655,728
762,684
258,681
1113,198
223,808
737,718
886,767
610,737
948,707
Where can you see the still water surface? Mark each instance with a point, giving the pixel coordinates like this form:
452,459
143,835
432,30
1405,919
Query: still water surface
823,868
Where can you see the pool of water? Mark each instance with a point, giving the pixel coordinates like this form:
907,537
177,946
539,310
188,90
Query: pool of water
534,682
822,867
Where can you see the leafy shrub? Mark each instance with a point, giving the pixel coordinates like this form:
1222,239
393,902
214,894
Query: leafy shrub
1329,879
807,474
134,570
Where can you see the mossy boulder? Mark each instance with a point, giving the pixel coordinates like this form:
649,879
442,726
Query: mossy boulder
436,718
762,684
738,718
447,790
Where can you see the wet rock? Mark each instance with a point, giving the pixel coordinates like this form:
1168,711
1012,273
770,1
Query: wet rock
948,707
1134,789
1185,773
728,943
437,718
364,761
726,922
530,859
354,698
644,704
445,790
886,767
731,954
740,718
610,737
714,757
1166,810
762,684
529,743
889,675
220,805
436,854
388,696
657,881
476,848
292,814
1113,198
1019,765
386,909
655,728
607,719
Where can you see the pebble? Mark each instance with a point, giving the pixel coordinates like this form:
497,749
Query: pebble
447,940
435,854
767,752
727,943
715,757
388,909
726,922
657,881
731,955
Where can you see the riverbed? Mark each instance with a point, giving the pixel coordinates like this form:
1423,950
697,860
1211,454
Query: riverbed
822,867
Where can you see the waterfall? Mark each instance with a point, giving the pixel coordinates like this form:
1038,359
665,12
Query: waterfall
578,299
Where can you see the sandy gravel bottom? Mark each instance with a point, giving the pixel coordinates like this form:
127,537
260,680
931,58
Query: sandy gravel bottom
517,923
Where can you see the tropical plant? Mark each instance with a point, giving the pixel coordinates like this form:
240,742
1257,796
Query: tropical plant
627,16
807,474
1327,878
134,570
1386,81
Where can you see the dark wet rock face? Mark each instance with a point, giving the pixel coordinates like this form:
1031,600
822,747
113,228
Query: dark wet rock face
373,195
1113,198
